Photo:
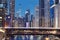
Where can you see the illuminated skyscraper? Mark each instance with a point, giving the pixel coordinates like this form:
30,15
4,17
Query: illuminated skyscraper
32,19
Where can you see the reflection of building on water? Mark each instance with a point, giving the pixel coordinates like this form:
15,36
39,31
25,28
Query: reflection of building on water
50,37
27,37
33,37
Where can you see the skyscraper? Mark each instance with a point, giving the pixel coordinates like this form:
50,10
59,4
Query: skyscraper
3,10
37,16
56,12
57,15
32,19
44,17
51,14
27,18
12,11
41,13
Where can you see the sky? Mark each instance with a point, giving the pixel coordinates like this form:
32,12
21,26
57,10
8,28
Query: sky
23,5
29,4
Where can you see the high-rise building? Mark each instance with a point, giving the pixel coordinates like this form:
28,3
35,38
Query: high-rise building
57,15
27,18
41,13
27,15
32,19
33,22
3,10
12,11
44,16
37,16
51,14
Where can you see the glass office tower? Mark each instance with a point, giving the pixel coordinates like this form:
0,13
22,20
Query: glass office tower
44,15
51,14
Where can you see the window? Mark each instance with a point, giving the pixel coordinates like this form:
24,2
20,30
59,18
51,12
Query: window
56,1
1,5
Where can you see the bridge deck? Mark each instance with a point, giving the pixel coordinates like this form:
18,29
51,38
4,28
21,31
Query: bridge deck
31,28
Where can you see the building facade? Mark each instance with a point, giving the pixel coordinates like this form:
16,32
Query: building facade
12,11
44,15
57,15
32,20
19,22
51,14
3,10
36,16
27,18
7,21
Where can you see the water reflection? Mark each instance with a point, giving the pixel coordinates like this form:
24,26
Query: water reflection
35,37
27,37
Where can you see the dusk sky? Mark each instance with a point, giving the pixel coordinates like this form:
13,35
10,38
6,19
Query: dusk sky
24,5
